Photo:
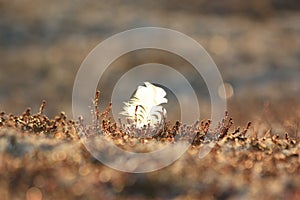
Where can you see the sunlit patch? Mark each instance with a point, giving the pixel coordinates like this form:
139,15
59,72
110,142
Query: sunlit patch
34,193
144,108
228,93
218,45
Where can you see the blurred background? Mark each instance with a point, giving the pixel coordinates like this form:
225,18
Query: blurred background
255,45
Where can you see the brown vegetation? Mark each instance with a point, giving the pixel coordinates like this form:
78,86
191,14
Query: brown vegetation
43,158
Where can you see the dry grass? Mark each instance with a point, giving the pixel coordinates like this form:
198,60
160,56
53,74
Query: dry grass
43,158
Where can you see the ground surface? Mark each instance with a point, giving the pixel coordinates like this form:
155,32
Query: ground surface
43,158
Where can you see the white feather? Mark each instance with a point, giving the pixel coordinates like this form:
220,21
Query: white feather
145,105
